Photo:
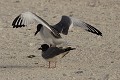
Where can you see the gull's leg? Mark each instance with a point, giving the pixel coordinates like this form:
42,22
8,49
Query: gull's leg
55,64
52,66
49,64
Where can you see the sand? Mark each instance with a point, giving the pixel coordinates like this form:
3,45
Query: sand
95,57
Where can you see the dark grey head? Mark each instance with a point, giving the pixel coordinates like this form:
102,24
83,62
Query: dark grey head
44,47
38,28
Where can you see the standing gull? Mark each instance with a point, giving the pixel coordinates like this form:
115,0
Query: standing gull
52,54
51,34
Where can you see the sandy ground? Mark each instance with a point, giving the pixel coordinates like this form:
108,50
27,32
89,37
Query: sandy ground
96,58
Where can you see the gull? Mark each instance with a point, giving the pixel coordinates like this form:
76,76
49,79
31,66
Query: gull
52,54
51,34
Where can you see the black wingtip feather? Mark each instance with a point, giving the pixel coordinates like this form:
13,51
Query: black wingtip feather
93,30
16,21
69,48
17,26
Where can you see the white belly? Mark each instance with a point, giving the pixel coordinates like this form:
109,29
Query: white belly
58,57
49,38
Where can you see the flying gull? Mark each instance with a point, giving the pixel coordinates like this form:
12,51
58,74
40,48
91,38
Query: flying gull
51,33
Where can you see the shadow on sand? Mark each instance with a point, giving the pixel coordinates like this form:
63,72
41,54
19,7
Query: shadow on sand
21,66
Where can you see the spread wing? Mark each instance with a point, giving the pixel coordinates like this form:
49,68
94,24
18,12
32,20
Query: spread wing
27,18
68,22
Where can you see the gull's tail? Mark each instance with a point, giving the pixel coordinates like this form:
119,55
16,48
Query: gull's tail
69,48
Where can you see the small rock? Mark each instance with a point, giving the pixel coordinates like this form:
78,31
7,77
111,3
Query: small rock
112,61
54,16
36,63
4,67
64,74
31,56
78,72
28,29
17,1
71,15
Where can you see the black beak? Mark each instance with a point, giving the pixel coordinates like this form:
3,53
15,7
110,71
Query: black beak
38,28
40,48
36,33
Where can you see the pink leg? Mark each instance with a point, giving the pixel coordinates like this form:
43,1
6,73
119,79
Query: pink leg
49,64
55,64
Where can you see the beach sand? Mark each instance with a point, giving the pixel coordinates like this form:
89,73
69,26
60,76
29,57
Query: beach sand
95,57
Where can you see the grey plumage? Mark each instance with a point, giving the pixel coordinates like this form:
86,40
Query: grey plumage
52,54
68,22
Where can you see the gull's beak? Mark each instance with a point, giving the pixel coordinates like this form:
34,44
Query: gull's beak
40,48
38,28
36,32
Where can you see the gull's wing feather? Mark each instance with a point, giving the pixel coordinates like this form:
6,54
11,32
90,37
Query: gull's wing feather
86,26
52,52
68,22
64,25
27,18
